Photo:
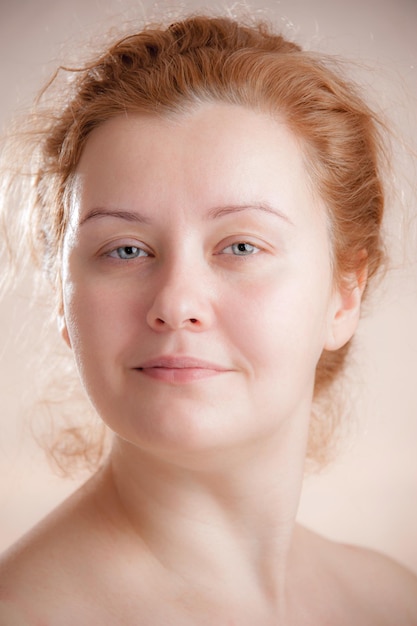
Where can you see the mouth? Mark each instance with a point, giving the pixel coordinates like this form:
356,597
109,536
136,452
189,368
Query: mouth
180,370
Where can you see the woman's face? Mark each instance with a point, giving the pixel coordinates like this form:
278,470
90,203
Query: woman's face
197,282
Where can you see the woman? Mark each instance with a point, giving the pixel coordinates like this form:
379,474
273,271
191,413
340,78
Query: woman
208,205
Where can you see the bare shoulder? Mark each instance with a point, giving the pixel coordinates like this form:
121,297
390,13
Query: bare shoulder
75,567
383,584
378,589
20,580
53,566
33,574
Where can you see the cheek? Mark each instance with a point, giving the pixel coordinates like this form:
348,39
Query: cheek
280,323
99,319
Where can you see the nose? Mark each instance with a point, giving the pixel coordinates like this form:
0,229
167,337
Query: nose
181,302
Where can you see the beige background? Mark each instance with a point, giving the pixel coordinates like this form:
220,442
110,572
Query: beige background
369,495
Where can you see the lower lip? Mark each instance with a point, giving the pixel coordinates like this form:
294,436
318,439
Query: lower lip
179,375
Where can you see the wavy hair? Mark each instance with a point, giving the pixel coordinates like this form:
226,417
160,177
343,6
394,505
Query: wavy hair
161,70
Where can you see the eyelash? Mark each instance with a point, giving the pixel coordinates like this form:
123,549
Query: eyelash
114,254
237,249
254,249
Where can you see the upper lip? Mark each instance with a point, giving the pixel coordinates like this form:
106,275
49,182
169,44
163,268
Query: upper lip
181,362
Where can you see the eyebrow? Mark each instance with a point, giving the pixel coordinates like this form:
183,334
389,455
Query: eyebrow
214,213
128,216
257,206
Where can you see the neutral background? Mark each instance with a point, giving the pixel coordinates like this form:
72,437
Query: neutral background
369,494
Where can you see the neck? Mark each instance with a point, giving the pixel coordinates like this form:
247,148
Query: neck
228,521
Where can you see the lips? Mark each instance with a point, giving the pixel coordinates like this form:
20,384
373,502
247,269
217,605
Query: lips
180,369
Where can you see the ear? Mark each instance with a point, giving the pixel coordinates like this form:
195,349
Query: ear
345,310
62,325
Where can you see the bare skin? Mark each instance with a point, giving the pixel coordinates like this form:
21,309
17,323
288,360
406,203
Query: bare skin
166,261
86,565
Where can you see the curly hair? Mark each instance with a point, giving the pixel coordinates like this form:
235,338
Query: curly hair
166,69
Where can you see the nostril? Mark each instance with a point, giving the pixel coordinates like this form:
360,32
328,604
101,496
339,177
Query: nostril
161,323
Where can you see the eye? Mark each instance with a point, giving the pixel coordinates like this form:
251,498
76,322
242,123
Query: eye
242,248
126,253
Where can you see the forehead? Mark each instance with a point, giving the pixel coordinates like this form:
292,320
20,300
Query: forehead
211,155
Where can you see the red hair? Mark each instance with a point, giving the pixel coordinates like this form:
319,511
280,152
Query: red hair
160,71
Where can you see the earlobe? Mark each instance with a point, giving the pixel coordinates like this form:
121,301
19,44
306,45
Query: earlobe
346,311
63,329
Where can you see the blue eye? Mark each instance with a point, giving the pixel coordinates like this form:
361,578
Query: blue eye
242,248
128,252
